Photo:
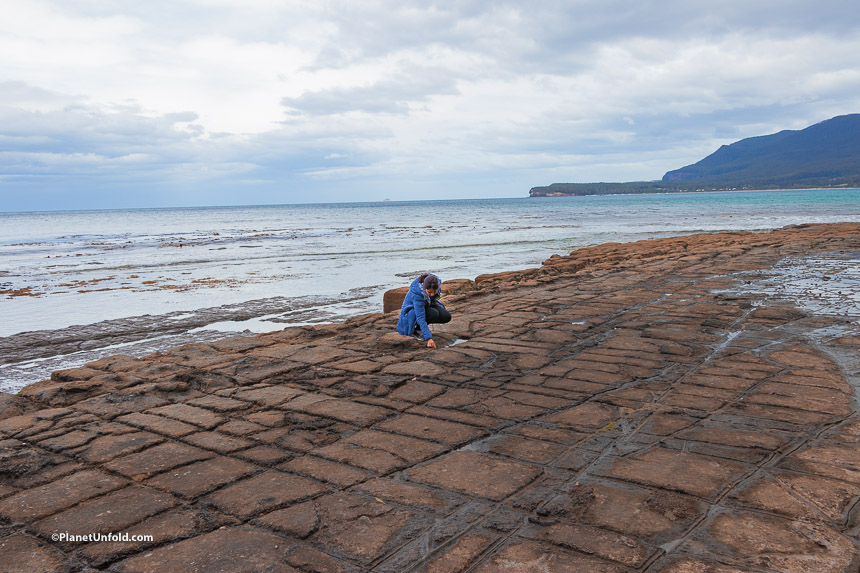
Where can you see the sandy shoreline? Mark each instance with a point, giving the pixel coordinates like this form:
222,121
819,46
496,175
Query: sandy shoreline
647,379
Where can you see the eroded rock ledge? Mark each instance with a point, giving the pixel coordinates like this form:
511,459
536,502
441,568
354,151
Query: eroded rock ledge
608,411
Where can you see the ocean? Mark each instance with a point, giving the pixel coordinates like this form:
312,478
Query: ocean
78,285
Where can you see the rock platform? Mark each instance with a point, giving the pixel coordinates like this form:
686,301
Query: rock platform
629,407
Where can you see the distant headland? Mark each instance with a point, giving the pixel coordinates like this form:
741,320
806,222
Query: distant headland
824,155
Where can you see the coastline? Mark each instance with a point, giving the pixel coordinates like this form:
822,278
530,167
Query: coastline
130,283
544,195
571,388
733,190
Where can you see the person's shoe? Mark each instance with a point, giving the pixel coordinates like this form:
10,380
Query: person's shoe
417,334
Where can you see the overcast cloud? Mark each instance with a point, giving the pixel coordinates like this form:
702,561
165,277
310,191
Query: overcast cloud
207,102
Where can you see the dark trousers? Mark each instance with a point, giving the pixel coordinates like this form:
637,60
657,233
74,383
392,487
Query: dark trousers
437,314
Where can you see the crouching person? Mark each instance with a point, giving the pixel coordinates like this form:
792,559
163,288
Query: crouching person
422,307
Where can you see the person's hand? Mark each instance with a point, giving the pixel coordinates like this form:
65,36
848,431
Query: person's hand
431,343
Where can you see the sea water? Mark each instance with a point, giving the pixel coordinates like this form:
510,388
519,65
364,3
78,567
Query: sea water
261,268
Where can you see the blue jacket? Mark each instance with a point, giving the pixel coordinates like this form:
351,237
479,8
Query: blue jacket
414,310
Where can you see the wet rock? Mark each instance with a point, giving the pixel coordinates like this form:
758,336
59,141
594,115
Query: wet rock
25,553
12,405
781,544
605,412
477,474
226,549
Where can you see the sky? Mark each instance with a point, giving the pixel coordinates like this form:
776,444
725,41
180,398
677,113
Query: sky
116,103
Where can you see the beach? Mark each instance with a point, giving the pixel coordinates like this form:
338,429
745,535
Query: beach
82,285
673,404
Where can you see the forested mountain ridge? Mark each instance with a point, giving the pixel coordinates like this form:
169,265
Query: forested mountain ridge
826,154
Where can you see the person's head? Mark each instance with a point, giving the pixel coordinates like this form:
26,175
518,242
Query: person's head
431,284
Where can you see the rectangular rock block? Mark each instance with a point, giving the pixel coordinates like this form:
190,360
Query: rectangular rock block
263,492
55,496
201,477
111,513
157,459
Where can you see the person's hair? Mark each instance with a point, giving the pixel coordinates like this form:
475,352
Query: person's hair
429,281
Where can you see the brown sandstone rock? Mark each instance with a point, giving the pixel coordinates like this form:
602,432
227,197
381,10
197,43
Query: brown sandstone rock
229,549
21,553
12,405
392,300
608,412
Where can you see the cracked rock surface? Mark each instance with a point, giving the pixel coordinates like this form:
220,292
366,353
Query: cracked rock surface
628,407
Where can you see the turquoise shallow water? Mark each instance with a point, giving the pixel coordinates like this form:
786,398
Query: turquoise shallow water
86,266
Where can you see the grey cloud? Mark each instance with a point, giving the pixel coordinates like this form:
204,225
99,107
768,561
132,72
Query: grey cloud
19,94
181,117
90,129
549,35
374,99
391,95
90,145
